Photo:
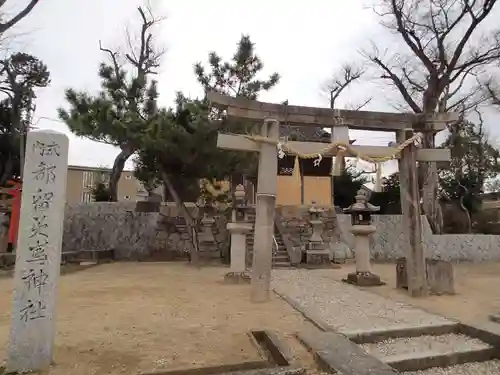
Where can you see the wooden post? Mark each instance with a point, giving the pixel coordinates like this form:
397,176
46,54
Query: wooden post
410,206
264,217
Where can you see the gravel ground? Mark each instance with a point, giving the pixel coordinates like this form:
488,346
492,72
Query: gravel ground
438,344
345,307
474,368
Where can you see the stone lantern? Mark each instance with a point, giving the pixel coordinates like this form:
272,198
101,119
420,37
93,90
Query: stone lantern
362,228
207,221
239,227
316,252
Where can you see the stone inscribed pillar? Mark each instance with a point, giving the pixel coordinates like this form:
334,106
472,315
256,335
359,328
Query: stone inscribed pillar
38,254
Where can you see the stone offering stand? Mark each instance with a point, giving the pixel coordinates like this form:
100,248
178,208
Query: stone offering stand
239,227
362,229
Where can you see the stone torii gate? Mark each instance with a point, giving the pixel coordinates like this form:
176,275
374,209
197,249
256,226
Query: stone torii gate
271,115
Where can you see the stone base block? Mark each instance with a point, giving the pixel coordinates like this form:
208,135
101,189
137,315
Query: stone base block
237,278
317,257
439,273
440,277
363,279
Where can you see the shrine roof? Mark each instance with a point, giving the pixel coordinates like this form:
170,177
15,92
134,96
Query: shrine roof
305,133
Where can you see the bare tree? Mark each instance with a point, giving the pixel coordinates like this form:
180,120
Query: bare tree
341,80
6,25
440,68
348,74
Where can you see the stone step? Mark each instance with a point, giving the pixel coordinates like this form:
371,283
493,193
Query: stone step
282,265
281,259
335,353
428,351
471,368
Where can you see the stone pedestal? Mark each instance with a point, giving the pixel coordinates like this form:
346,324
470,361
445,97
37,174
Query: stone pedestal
363,275
317,254
317,229
364,279
207,235
237,273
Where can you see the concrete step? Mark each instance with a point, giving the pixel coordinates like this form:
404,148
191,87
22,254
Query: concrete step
428,351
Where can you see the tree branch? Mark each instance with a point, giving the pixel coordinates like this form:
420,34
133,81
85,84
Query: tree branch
359,107
114,60
346,76
407,34
398,83
7,25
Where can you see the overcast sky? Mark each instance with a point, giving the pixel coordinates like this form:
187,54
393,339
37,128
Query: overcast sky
305,41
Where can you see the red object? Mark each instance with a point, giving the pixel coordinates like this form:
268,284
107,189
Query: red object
15,212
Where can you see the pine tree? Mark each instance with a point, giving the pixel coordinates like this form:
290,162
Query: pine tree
124,109
180,148
100,193
473,161
20,75
237,77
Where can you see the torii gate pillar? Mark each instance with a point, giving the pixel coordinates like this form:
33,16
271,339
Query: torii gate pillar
265,211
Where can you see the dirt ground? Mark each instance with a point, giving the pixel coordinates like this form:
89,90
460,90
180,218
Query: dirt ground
127,318
478,293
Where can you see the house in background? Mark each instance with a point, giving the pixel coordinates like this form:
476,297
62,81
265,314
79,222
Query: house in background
82,179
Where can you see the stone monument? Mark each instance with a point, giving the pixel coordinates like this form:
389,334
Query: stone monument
362,228
38,255
239,227
317,252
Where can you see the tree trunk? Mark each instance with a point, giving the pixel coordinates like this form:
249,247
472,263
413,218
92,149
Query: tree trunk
117,170
190,222
429,190
427,173
7,170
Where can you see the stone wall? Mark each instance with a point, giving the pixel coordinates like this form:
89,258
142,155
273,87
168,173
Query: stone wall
388,243
161,236
133,235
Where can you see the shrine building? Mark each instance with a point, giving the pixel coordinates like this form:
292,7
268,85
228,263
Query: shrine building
314,183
